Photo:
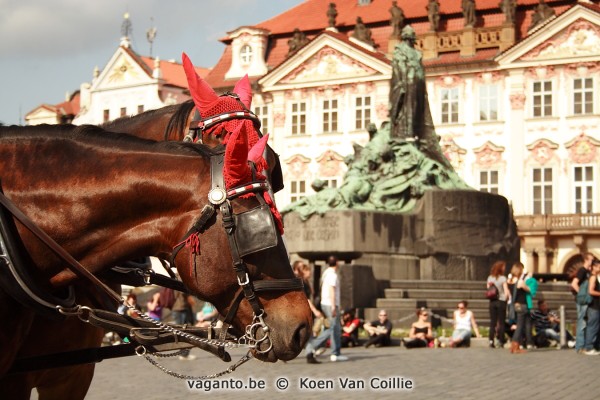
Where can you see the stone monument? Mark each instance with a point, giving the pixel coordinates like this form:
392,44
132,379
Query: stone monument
402,209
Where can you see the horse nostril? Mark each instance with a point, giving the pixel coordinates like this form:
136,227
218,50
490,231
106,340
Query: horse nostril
301,336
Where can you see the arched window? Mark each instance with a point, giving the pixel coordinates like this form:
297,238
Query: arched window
246,55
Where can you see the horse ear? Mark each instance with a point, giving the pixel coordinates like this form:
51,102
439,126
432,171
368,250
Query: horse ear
244,91
256,153
235,169
202,94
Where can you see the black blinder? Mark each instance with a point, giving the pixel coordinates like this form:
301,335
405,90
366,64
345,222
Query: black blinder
255,230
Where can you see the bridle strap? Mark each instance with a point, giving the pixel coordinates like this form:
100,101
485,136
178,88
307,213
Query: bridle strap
202,124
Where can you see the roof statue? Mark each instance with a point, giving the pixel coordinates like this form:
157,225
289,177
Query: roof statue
433,14
468,10
297,41
541,14
401,160
508,7
396,19
331,15
362,33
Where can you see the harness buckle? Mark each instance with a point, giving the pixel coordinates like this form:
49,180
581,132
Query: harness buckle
246,280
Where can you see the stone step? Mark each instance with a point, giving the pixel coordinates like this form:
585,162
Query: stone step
404,317
468,285
463,294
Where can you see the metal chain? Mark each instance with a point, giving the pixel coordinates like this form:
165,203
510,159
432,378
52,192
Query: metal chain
193,338
141,351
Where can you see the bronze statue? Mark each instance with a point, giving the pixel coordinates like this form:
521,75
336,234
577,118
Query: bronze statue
396,20
468,9
433,14
541,14
332,14
390,172
508,7
298,40
362,33
407,90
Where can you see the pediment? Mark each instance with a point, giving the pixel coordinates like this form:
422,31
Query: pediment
122,71
574,35
579,39
325,65
330,59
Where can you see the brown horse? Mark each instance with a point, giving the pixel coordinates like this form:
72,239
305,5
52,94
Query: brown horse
109,198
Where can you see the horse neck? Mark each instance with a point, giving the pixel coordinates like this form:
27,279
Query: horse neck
166,123
110,208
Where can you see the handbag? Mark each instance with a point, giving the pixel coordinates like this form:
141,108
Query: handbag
492,293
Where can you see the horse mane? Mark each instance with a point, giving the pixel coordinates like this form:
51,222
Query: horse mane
96,134
178,121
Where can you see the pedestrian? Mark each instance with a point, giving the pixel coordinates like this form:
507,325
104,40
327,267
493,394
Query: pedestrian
420,334
330,306
593,312
464,321
524,289
497,307
582,274
155,307
184,315
380,331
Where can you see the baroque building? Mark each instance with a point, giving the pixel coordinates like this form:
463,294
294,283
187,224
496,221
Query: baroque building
513,88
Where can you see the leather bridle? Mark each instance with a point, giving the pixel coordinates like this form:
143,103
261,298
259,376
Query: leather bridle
259,224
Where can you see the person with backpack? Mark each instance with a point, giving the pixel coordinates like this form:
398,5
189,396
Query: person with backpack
498,305
581,276
591,346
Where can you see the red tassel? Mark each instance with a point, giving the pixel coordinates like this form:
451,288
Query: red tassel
193,244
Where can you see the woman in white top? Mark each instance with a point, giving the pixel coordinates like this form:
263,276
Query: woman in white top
464,320
498,306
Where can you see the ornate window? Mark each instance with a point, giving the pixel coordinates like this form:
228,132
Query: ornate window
297,190
542,190
584,188
449,105
542,99
246,55
299,118
488,102
583,96
330,115
262,113
363,112
488,181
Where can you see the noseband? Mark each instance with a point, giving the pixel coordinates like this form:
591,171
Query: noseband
248,233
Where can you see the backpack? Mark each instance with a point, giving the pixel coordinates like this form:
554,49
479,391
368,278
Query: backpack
583,297
167,298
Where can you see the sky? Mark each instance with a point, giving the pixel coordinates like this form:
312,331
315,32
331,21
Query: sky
50,47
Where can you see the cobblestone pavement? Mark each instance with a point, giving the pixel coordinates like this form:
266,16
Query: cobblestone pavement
474,373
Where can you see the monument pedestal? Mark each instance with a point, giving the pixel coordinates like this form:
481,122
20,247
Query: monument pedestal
450,235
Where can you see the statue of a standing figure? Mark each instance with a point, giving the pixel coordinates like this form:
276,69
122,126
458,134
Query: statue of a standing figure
433,14
396,20
508,7
362,33
297,41
331,15
542,12
407,91
468,8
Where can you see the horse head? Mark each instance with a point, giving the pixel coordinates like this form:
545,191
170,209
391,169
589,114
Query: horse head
260,288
